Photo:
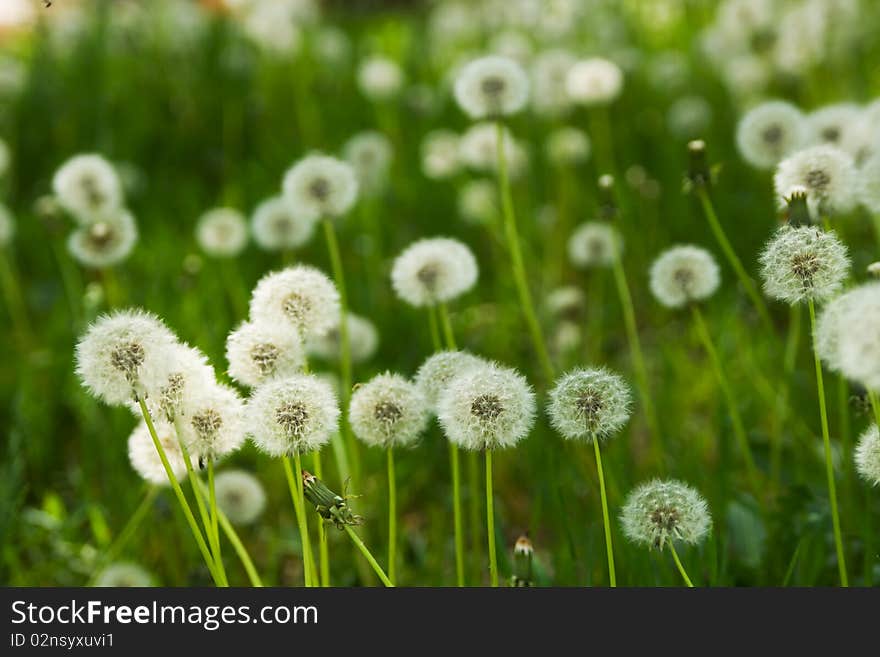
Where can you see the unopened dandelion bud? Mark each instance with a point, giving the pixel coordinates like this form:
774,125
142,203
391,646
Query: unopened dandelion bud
330,506
797,211
523,554
698,174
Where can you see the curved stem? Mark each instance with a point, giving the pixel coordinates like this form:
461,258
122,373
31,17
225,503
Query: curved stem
181,498
134,522
298,507
392,516
323,549
829,465
612,575
490,521
519,270
368,556
687,580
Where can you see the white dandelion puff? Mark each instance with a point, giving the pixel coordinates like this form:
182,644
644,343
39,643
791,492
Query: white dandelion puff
295,414
867,455
388,411
594,244
478,150
827,173
549,73
491,87
487,407
589,404
145,459
380,78
257,351
830,124
439,152
438,371
213,422
321,184
222,232
370,154
855,344
240,495
657,512
769,132
434,270
298,296
684,274
188,374
279,225
594,81
272,27
124,574
104,242
363,340
868,184
803,262
88,187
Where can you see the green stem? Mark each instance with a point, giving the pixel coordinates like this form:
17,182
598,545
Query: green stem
368,556
294,483
687,580
744,279
434,330
729,398
474,511
70,279
181,498
14,298
448,333
612,575
519,270
792,341
829,466
134,522
215,528
490,521
323,549
392,516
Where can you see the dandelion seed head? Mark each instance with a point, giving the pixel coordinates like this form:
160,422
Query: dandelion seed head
240,496
124,355
380,78
491,87
803,262
188,373
322,185
487,407
658,511
213,422
851,339
440,154
770,132
271,26
827,173
7,226
104,242
279,225
867,455
433,270
568,146
257,351
868,184
388,411
478,150
88,187
589,404
294,414
684,274
124,574
363,340
222,232
298,296
594,81
830,124
370,154
594,244
145,459
436,373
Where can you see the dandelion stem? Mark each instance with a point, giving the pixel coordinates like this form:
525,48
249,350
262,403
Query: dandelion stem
296,494
181,498
359,544
435,331
447,327
112,289
392,516
612,575
729,398
14,298
70,280
344,348
323,550
474,511
829,466
744,279
687,580
519,270
490,521
134,522
212,500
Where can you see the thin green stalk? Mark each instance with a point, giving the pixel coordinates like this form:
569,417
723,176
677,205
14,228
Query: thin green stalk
519,270
14,298
181,498
368,556
687,580
392,516
735,419
344,346
215,528
112,289
829,466
474,510
638,359
612,575
490,521
600,131
134,522
744,279
323,549
70,279
435,331
448,333
294,483
234,288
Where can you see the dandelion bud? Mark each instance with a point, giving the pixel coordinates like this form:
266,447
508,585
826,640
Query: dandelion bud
124,574
363,340
222,232
278,225
104,242
683,275
487,407
380,78
440,154
257,351
240,495
213,422
432,271
769,132
7,226
803,263
594,244
523,554
296,414
797,212
370,154
321,185
698,174
867,455
330,506
594,81
589,404
388,411
491,87
300,296
124,355
145,458
658,511
436,373
827,173
88,187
